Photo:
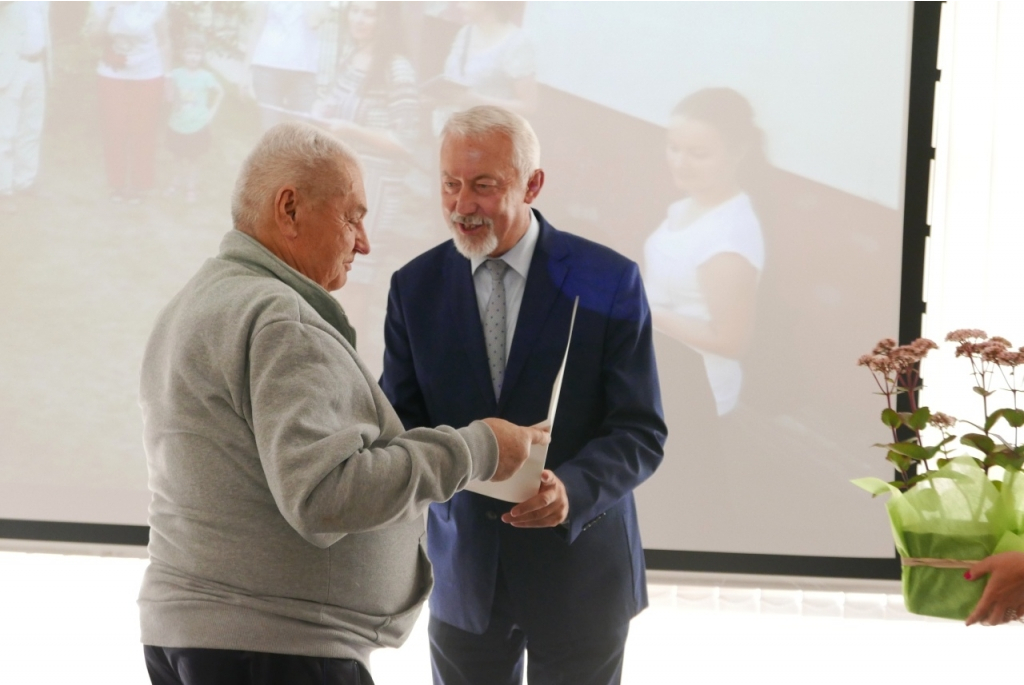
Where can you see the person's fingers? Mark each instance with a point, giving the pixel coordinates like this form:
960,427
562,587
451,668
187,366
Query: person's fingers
539,436
982,610
980,569
548,521
545,517
542,499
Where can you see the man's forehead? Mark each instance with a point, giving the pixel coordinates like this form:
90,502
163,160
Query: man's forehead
489,154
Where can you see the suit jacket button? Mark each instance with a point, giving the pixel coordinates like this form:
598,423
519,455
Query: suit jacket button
491,516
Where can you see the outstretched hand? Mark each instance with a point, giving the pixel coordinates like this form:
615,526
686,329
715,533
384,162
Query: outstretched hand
1003,599
514,444
548,508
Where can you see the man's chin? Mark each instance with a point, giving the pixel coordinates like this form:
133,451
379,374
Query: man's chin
475,249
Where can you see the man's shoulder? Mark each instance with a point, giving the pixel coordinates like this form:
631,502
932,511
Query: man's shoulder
428,264
587,253
222,288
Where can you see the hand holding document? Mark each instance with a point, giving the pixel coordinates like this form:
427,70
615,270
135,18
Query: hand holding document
526,482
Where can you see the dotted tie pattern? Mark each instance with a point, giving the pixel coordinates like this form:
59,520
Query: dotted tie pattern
494,323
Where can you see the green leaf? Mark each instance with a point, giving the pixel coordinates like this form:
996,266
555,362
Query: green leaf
981,391
911,450
917,479
919,419
901,462
1014,417
891,418
998,485
1007,460
943,461
978,441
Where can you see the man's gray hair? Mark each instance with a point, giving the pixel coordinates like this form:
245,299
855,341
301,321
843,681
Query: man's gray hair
484,120
289,153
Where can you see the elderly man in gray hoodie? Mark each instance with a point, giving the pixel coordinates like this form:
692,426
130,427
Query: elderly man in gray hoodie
286,525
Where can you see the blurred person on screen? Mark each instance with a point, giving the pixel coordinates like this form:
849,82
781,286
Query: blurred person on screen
493,61
25,63
560,575
283,57
134,56
286,520
703,264
195,95
373,106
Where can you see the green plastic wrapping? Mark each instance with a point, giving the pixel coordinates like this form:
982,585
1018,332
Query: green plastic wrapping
957,514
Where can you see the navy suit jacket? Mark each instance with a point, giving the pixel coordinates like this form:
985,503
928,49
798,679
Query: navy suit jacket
608,434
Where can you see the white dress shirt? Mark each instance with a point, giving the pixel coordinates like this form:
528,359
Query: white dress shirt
518,260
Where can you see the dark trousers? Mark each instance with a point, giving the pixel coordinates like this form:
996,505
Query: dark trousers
171,666
589,656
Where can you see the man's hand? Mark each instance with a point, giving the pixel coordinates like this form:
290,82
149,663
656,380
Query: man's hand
514,445
1003,599
546,509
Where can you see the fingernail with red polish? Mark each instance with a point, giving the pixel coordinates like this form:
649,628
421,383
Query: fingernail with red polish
967,575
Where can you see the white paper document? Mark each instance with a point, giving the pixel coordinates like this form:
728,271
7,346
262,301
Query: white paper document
526,481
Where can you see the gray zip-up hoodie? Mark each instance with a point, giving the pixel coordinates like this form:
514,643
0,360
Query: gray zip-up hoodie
288,500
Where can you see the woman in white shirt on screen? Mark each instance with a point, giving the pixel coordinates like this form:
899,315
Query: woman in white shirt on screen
704,262
494,59
284,57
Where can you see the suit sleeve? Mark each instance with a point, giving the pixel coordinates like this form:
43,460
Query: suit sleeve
399,377
629,444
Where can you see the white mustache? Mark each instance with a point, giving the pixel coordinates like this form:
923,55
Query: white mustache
470,220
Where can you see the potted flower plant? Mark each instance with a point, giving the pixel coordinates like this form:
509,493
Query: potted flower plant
962,498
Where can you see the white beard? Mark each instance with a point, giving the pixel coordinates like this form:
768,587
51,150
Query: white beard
473,249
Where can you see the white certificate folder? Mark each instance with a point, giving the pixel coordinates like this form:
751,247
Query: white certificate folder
526,481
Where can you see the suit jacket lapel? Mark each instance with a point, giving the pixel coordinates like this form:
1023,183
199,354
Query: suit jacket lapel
548,270
467,329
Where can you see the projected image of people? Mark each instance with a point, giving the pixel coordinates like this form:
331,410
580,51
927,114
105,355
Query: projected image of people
373,106
748,157
195,95
24,62
134,54
704,262
284,57
493,58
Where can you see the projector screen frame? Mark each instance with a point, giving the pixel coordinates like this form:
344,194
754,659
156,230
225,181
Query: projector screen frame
924,75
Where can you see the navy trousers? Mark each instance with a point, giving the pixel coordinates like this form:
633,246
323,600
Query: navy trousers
590,657
193,666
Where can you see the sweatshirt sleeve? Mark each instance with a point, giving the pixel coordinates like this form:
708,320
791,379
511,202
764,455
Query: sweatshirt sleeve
318,426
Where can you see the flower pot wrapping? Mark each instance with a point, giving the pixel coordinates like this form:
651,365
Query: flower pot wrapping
944,524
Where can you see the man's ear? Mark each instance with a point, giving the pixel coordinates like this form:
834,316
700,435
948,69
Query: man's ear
285,202
533,185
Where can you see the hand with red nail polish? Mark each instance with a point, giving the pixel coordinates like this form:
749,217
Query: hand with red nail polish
1003,599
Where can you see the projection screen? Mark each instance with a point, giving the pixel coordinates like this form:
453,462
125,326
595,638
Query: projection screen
645,113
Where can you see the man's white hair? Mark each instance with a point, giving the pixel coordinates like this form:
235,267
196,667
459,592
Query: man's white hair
484,120
289,153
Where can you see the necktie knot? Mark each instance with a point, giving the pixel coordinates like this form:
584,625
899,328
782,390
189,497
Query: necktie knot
497,267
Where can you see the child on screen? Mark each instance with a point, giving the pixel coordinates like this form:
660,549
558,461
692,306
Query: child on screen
195,95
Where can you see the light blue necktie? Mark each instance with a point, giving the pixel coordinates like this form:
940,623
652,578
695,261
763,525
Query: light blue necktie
495,323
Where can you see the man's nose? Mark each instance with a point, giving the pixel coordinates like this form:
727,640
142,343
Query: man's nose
362,245
465,202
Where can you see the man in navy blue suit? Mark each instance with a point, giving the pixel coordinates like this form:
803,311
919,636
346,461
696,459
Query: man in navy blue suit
477,327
